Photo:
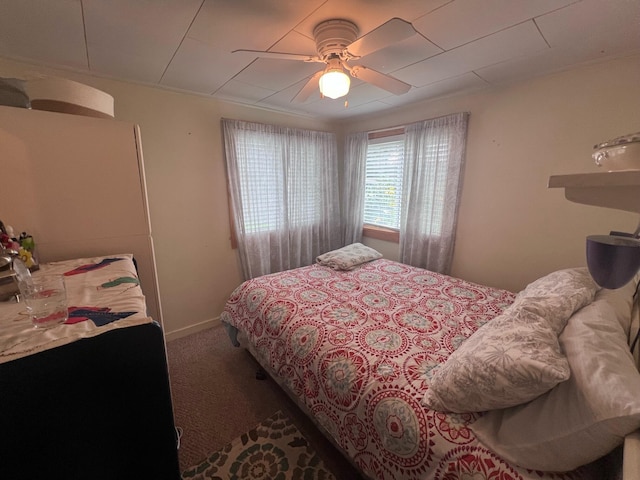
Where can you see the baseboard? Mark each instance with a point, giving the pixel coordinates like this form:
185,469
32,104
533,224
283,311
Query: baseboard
198,327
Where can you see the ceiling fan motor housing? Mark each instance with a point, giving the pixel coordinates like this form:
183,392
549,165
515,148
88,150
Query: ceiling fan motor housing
334,36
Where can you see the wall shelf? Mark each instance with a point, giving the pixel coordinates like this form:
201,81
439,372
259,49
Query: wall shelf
619,190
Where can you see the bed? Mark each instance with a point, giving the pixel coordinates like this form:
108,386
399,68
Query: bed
418,375
89,398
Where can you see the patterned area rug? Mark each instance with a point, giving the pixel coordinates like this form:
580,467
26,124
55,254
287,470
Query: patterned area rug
274,450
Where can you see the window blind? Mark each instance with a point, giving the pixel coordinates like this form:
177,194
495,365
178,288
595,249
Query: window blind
261,199
383,182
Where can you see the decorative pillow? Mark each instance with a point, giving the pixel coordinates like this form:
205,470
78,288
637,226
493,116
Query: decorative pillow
515,357
349,257
557,295
587,416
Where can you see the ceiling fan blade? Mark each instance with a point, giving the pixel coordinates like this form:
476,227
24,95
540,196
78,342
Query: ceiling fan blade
309,87
281,55
393,31
386,82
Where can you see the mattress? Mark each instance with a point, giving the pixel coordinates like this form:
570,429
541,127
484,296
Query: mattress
356,350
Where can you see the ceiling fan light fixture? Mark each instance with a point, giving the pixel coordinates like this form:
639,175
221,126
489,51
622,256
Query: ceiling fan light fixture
334,83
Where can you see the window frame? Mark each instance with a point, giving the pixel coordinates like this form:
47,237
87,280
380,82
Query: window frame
375,231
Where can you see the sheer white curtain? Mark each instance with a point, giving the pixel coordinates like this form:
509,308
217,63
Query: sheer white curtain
284,191
434,160
355,163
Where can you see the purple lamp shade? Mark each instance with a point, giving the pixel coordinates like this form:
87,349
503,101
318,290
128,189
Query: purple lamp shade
612,260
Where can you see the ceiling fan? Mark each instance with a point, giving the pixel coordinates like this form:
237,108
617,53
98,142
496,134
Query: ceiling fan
337,43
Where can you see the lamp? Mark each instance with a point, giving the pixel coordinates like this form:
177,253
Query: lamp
334,83
613,260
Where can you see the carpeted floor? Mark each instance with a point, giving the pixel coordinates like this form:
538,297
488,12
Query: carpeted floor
216,399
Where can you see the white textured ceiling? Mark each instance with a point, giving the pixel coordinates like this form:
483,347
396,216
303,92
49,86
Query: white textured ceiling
460,45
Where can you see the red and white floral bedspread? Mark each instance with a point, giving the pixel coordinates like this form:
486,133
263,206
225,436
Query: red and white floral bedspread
357,348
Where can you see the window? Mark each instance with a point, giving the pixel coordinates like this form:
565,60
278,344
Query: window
384,184
275,196
284,191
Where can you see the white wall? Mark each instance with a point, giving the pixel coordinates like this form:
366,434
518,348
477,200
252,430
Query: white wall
185,172
511,228
186,179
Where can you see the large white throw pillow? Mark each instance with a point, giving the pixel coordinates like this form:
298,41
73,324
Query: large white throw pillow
587,416
516,356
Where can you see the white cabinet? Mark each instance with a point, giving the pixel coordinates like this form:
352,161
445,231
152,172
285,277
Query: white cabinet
77,185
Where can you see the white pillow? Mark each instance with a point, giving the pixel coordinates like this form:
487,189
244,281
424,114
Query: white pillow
516,356
557,295
587,416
